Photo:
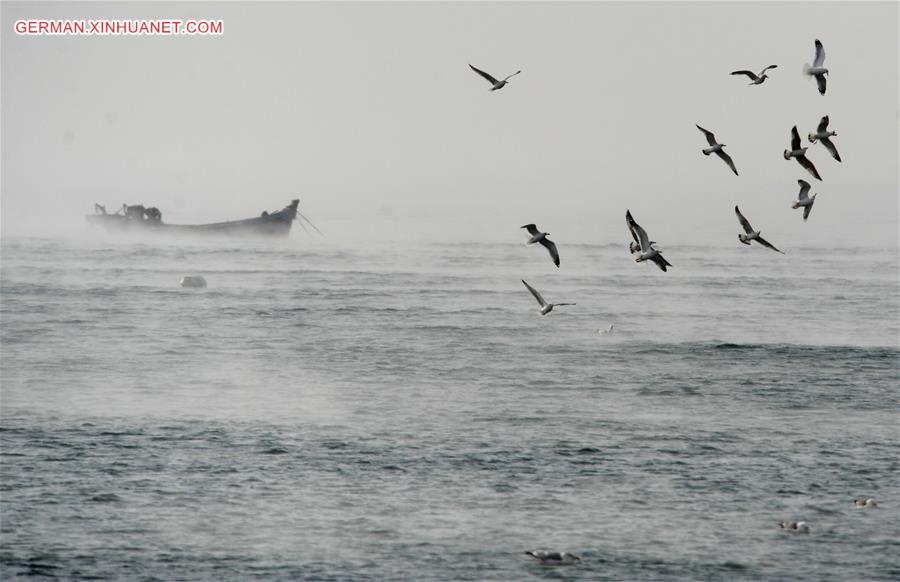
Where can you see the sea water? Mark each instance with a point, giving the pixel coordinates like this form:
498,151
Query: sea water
402,412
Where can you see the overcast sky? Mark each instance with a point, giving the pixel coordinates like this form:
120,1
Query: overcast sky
369,114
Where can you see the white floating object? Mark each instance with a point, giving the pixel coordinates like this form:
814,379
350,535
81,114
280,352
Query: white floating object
195,281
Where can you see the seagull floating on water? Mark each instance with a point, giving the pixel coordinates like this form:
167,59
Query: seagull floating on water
541,237
545,557
756,79
751,234
804,200
716,148
545,307
795,526
865,503
646,246
494,82
822,135
799,153
817,70
607,331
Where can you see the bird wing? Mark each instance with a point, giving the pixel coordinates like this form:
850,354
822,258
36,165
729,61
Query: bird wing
490,79
795,138
820,54
804,189
766,243
829,145
709,136
804,161
630,222
820,81
806,211
744,222
532,229
728,160
750,74
551,248
823,125
767,68
511,76
661,262
537,295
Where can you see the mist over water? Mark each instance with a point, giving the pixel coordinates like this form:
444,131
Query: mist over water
331,410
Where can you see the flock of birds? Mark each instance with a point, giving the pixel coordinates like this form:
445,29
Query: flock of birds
642,248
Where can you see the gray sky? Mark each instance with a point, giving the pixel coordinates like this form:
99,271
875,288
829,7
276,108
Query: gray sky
369,113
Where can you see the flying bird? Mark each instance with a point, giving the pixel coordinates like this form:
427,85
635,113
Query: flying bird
751,234
756,78
804,200
799,153
495,84
822,135
541,237
545,557
717,148
648,253
545,307
817,70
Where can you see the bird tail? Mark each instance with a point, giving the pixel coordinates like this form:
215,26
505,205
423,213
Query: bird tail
806,69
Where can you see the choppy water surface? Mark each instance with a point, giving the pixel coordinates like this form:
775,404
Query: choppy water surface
401,412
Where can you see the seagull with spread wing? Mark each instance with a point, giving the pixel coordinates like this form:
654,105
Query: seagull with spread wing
804,201
751,234
648,253
716,148
799,153
495,84
541,237
545,307
822,135
817,70
756,78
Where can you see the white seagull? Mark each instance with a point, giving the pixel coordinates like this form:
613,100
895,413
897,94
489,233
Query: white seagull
865,503
799,153
804,200
541,237
495,84
795,526
756,78
817,70
545,557
822,135
646,247
545,307
751,234
607,331
717,148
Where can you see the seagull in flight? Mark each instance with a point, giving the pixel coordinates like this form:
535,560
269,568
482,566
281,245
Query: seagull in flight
541,237
494,82
545,307
751,234
545,557
822,135
804,200
647,250
817,70
717,148
756,78
799,153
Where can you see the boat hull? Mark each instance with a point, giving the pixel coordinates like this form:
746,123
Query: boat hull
276,224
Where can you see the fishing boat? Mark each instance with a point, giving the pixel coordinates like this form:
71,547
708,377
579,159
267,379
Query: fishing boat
138,218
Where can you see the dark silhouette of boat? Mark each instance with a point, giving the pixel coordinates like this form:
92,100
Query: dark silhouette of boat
137,218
